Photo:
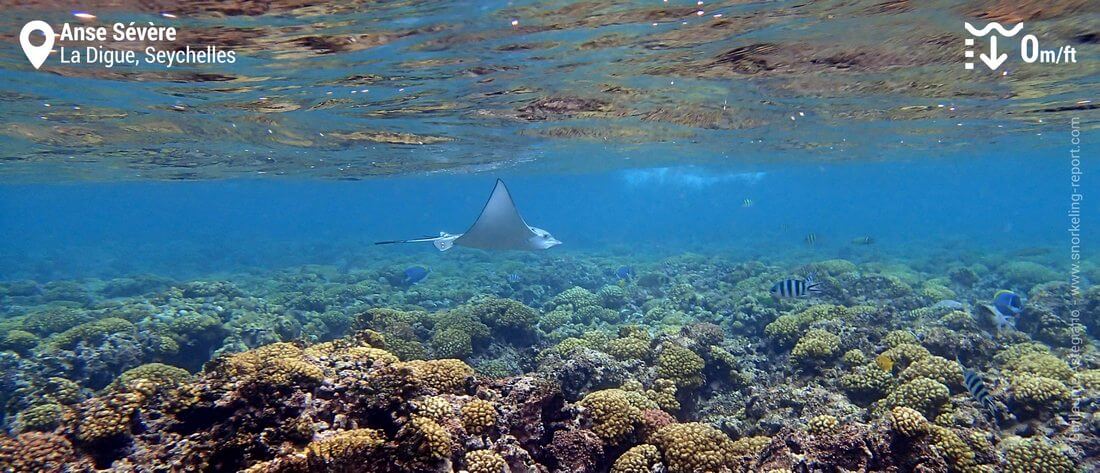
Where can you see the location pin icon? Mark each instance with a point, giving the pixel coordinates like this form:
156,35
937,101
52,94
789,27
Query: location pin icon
36,54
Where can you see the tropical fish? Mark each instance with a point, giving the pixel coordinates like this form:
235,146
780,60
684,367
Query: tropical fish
863,240
794,288
1007,302
415,274
811,239
977,389
514,278
624,272
991,314
747,203
884,362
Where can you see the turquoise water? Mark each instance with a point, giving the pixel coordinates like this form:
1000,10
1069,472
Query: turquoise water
189,278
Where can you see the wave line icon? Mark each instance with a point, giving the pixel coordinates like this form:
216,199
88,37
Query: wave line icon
994,26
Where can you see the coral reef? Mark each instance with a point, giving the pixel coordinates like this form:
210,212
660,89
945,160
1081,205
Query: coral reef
689,366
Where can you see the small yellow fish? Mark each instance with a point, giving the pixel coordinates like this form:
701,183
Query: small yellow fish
885,362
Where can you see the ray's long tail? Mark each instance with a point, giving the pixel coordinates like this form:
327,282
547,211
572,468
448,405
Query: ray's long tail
443,242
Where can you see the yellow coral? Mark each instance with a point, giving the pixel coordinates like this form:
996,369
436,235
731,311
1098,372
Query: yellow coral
639,459
680,365
750,446
923,394
940,369
1039,393
447,376
957,453
428,437
478,416
277,364
344,448
695,447
823,424
613,416
107,416
434,407
485,461
1035,456
908,422
816,344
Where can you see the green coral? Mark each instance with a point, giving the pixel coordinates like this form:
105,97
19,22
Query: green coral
446,376
53,319
958,453
1038,393
452,343
91,332
629,348
612,296
867,381
1036,455
823,424
898,337
922,394
160,374
680,365
575,298
19,341
613,416
854,357
786,329
504,315
40,417
817,344
944,371
1034,359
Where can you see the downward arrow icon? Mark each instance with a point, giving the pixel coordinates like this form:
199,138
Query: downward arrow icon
989,60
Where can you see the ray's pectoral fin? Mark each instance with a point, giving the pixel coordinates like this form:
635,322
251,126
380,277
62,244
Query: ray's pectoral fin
499,226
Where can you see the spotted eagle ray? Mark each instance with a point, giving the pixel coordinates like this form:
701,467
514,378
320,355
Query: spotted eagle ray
499,227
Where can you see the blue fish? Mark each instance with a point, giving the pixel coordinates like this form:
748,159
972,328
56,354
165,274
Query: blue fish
1007,302
415,274
624,272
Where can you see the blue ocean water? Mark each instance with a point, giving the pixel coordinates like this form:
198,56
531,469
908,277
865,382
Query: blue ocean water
993,200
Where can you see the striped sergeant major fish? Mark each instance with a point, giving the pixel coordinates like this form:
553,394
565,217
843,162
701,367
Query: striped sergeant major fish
976,386
811,239
794,288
